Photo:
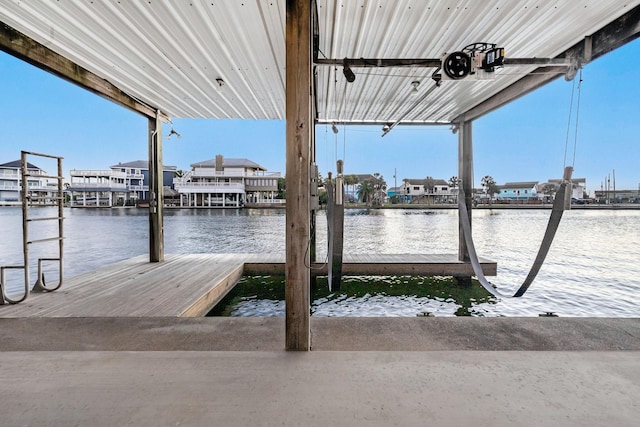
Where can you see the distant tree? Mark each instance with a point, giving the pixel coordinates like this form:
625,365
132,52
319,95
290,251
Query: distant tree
282,189
549,190
490,186
429,185
454,182
405,196
351,180
322,192
179,173
379,189
365,191
323,197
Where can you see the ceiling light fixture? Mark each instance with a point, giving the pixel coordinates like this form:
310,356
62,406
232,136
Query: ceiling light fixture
174,132
348,73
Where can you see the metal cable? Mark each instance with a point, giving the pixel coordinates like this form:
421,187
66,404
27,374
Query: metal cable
575,136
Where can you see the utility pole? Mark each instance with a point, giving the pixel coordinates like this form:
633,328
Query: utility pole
395,181
614,185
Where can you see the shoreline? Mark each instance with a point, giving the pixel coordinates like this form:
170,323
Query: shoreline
453,206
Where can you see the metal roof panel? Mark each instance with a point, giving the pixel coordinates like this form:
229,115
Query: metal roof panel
170,54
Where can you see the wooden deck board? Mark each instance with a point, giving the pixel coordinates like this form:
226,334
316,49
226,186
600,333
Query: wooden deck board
189,285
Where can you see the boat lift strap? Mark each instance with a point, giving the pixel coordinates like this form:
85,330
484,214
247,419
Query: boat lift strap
559,203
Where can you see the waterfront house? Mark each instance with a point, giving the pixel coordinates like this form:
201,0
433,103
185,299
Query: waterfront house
578,187
221,182
411,189
617,196
124,184
137,177
11,181
441,192
394,191
522,191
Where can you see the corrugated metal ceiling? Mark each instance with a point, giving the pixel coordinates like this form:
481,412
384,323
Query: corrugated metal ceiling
169,54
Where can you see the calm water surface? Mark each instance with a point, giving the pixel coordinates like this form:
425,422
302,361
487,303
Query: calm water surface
592,269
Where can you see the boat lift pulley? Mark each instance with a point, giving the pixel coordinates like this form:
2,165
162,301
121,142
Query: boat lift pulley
479,59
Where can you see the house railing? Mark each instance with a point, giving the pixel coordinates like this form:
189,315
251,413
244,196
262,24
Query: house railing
9,187
269,201
105,173
214,185
210,172
110,186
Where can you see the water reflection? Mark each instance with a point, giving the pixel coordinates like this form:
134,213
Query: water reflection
592,268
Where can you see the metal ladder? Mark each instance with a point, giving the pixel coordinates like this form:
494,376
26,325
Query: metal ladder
41,197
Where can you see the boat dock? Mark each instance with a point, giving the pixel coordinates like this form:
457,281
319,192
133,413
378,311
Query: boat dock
111,348
190,285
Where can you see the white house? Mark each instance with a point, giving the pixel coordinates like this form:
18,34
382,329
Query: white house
441,192
120,185
224,182
11,181
578,187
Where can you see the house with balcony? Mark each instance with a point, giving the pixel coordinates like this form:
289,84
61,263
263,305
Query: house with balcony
124,184
413,190
137,177
578,188
221,182
11,181
442,191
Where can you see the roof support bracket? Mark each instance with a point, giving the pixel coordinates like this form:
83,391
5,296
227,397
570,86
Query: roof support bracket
588,49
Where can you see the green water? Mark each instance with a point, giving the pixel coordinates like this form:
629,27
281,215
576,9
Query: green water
362,296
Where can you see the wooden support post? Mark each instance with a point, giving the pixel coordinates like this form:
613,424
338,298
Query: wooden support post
337,221
314,204
298,132
156,228
465,173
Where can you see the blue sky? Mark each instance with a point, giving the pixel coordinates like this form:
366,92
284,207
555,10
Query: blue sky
523,141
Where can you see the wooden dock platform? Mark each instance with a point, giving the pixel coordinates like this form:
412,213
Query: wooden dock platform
190,285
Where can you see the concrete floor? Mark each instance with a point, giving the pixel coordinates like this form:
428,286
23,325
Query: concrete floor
364,371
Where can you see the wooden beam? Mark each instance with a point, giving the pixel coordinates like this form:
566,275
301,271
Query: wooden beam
298,147
23,47
156,199
610,37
